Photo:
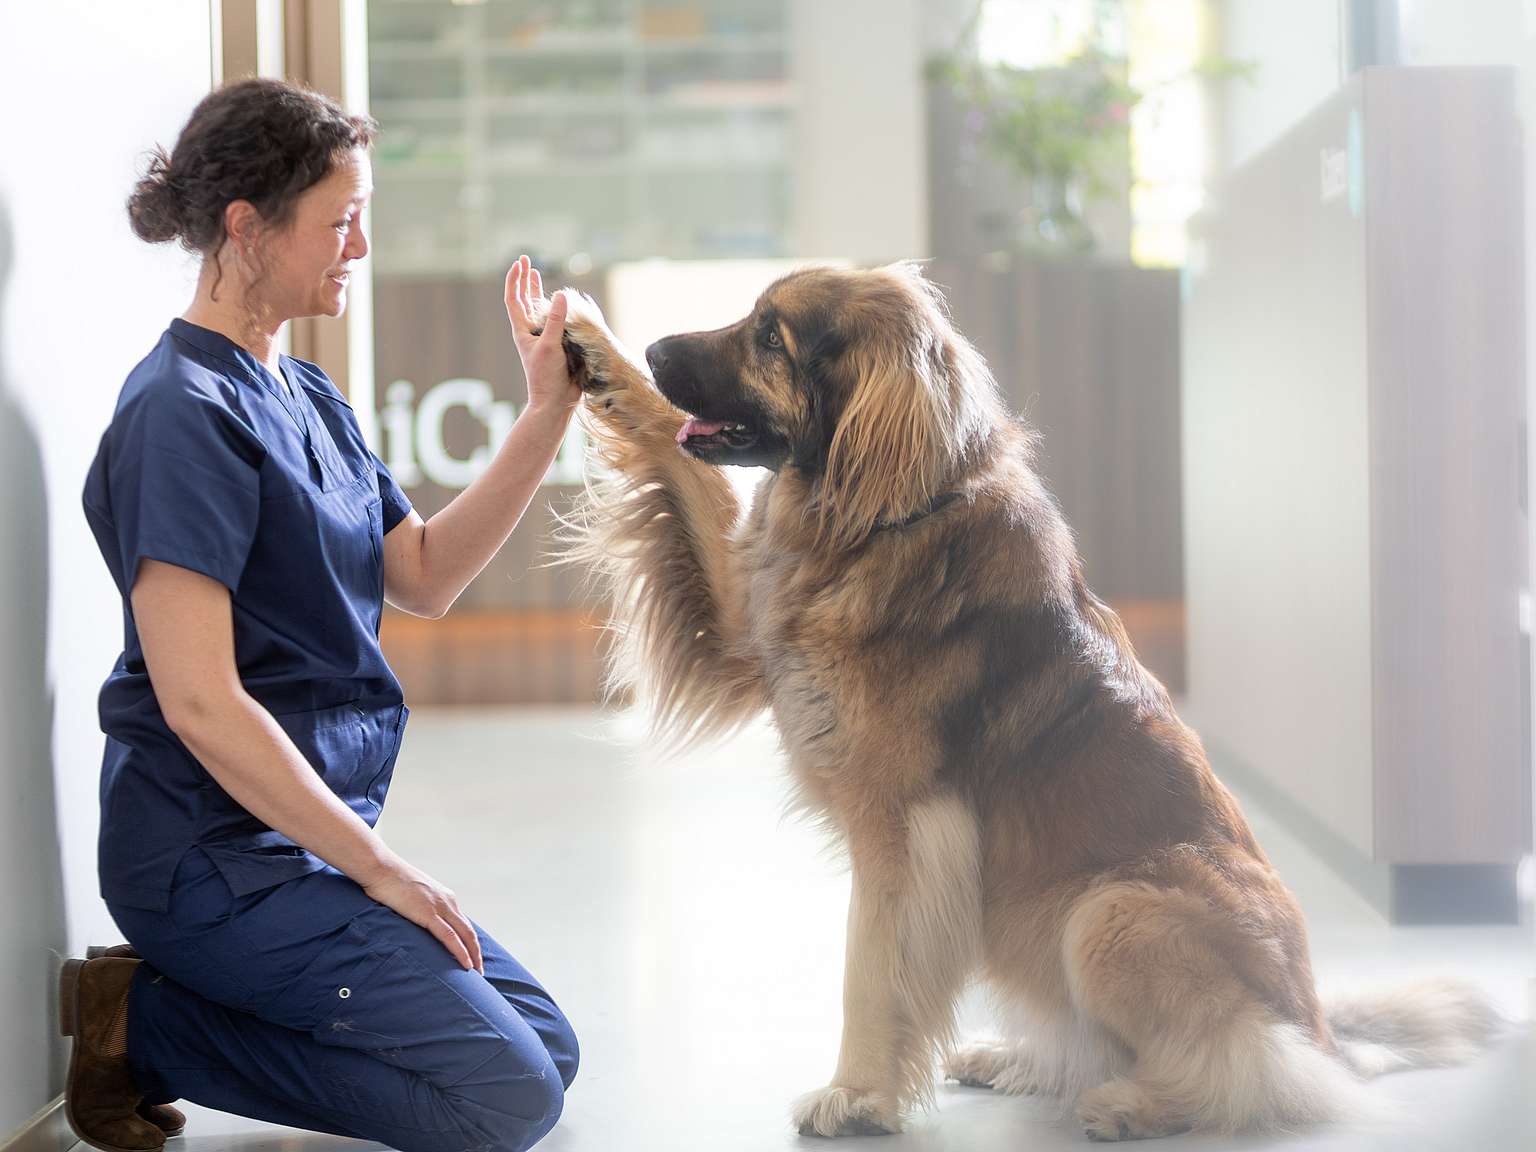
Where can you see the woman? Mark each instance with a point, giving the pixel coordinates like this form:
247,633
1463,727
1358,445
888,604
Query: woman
293,968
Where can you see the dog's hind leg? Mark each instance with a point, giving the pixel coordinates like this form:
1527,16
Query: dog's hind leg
1152,967
913,931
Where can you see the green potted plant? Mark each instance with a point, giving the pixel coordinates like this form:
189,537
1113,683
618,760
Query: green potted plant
1063,130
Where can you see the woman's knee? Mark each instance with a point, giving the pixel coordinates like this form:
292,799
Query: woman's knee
515,1103
536,1105
560,1040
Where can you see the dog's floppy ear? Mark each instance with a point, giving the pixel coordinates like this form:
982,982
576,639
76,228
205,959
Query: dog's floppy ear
896,436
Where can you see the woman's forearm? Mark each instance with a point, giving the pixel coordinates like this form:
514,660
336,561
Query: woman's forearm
250,756
458,542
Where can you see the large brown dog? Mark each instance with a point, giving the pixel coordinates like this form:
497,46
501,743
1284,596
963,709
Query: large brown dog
1018,799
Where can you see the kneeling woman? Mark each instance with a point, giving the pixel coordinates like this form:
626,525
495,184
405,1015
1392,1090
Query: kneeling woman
283,963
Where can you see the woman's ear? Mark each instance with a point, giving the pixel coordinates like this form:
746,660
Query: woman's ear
242,224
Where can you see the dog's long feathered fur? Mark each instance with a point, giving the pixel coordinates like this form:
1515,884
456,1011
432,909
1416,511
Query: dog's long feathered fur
1017,797
641,526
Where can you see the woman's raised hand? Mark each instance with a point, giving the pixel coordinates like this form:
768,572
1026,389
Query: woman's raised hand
544,364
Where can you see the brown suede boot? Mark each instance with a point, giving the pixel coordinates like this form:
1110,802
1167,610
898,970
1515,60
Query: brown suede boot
171,1121
100,1100
126,951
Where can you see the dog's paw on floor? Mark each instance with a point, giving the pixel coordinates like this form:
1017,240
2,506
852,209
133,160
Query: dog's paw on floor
837,1111
1004,1068
1122,1110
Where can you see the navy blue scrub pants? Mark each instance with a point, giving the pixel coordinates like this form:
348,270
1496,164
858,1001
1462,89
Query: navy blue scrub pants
310,1005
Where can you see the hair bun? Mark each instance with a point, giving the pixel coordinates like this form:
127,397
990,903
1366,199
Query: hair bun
154,210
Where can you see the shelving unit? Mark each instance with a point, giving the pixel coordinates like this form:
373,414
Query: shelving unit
585,132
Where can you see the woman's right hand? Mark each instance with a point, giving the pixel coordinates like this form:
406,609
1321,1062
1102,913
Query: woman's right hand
422,900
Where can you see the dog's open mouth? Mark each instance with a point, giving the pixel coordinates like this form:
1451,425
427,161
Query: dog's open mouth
697,434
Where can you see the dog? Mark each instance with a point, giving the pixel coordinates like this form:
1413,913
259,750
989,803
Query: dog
1017,797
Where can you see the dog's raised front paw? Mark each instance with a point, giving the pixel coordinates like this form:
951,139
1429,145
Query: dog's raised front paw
838,1111
593,355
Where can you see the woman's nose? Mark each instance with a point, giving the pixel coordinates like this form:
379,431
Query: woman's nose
357,243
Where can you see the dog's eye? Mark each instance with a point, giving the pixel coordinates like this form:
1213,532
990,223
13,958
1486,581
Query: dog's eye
771,338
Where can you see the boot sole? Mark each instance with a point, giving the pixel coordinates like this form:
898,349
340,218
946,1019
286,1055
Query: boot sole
69,1025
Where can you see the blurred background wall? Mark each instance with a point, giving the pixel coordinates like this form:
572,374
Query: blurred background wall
643,140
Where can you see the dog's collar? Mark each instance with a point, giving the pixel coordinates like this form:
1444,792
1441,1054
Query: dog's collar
938,502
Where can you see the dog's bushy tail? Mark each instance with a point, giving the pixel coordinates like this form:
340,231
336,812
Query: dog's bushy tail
1424,1025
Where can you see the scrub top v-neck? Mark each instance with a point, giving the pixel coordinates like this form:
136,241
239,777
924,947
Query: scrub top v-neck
211,464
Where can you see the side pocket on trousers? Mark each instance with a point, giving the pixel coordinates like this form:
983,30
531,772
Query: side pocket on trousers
344,979
386,1003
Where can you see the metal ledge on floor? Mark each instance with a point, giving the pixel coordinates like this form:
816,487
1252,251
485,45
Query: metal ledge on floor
47,1131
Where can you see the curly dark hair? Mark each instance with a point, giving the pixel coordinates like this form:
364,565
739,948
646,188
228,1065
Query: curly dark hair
259,140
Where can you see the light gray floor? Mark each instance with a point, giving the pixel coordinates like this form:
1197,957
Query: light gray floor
695,939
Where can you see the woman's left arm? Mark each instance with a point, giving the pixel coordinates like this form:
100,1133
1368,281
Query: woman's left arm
427,564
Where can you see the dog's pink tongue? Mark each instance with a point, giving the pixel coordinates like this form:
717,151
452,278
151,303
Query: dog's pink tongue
699,428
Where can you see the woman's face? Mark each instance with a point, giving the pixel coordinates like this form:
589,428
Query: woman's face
308,261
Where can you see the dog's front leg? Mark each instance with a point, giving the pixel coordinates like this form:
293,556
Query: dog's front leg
913,932
659,529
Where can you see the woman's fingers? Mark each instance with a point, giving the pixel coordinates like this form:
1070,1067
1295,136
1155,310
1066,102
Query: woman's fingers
523,289
516,313
448,937
467,935
554,320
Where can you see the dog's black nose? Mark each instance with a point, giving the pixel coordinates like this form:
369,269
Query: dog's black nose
656,357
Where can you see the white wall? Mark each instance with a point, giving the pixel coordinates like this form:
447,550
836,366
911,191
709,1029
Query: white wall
1297,48
858,68
86,87
1451,32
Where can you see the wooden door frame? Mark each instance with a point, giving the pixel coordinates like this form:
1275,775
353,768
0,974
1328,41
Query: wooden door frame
322,44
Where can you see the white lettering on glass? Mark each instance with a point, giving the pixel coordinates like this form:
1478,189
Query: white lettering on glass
414,445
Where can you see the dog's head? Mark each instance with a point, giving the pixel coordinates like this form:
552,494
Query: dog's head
856,378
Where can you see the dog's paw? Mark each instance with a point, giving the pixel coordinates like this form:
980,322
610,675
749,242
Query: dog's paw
594,357
1004,1068
981,1064
838,1111
1122,1110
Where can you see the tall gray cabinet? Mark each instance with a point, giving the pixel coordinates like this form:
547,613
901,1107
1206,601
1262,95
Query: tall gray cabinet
1354,476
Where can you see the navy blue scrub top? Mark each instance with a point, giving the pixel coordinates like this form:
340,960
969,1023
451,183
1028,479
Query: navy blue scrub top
210,464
